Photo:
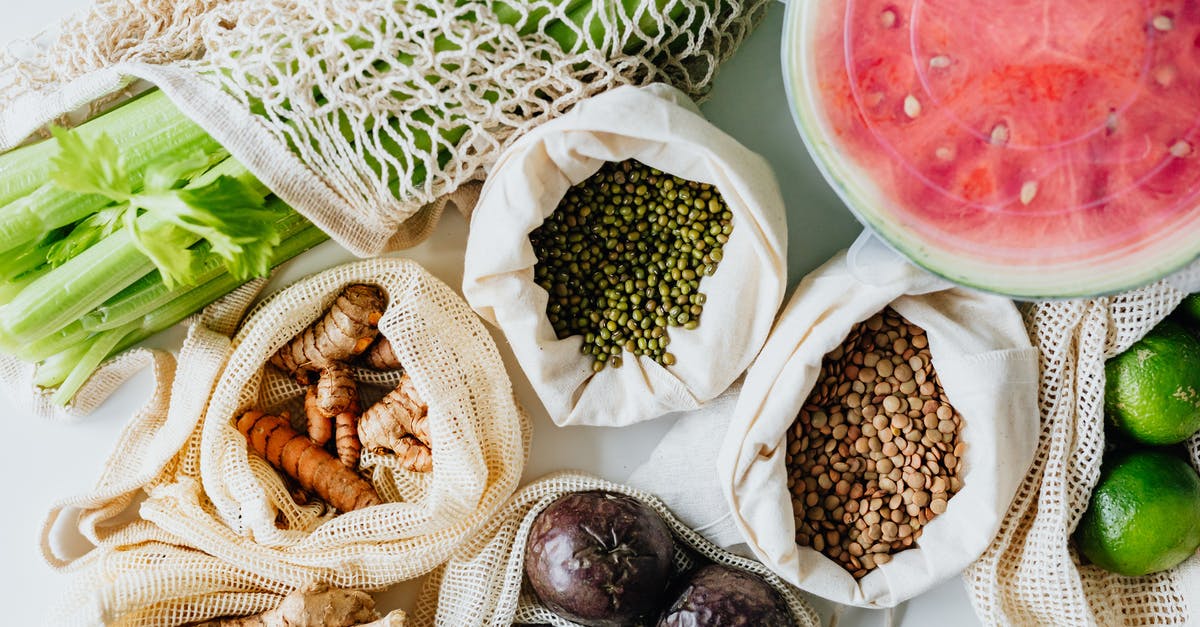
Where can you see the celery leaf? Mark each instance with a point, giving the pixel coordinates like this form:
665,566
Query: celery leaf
167,246
88,231
165,174
227,212
95,169
163,218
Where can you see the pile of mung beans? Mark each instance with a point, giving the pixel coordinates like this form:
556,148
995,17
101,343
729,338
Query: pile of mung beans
622,258
875,452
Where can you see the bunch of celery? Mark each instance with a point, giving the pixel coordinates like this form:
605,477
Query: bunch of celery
121,228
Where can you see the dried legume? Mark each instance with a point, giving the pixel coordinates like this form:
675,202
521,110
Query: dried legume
623,256
880,482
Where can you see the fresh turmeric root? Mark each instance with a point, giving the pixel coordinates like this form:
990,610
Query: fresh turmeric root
345,331
413,455
318,607
399,423
316,470
320,424
333,394
349,449
400,413
381,355
336,389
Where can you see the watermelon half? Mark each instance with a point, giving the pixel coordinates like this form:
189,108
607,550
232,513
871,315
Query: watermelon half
1031,148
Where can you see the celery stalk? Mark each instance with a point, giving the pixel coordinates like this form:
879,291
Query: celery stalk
93,276
56,368
52,343
149,292
70,368
152,130
145,127
91,359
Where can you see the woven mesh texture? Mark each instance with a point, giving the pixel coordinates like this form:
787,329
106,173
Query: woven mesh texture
219,533
482,584
1031,573
389,105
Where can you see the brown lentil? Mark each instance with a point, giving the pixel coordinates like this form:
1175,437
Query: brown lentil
875,450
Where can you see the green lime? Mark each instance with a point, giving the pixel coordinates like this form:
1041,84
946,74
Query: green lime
1152,392
1190,310
1144,515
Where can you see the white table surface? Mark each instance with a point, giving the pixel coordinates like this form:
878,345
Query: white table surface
44,462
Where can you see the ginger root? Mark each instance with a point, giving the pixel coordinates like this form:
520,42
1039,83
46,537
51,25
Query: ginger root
346,330
381,355
316,470
318,607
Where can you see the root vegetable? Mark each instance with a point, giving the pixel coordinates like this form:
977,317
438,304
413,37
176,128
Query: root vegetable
400,413
346,425
318,607
413,455
381,355
336,389
316,470
345,331
320,427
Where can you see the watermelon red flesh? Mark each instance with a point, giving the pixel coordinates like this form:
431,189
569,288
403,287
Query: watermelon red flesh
1029,132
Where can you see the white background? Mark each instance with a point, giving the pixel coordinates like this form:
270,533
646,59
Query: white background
44,462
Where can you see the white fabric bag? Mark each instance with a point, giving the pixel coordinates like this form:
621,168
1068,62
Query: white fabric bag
661,128
988,368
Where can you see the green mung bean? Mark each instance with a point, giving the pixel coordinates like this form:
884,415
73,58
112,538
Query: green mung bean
623,257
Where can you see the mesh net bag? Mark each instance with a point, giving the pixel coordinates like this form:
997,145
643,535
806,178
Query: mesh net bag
481,584
218,532
362,114
1031,573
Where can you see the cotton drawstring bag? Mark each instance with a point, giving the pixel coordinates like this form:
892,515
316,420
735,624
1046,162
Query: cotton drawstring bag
482,583
661,128
987,368
363,114
682,471
218,532
1031,573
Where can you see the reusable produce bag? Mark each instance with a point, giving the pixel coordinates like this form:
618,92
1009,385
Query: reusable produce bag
661,128
482,583
1031,573
987,368
218,532
364,114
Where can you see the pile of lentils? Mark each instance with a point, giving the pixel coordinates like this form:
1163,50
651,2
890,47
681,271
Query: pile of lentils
874,454
622,257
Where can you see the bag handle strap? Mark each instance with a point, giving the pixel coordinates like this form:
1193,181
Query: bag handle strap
156,434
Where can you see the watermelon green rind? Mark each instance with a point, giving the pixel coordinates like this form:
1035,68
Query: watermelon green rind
1099,274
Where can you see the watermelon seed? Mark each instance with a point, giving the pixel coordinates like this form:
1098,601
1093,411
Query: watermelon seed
1181,149
944,153
940,61
888,18
1163,23
999,135
1111,123
1028,191
1165,75
912,106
